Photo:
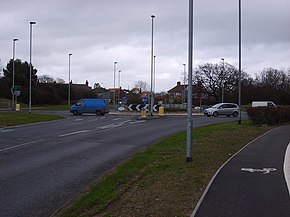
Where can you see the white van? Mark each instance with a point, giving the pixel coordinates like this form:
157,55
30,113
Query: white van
263,104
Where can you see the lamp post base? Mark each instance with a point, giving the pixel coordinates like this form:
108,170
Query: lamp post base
188,159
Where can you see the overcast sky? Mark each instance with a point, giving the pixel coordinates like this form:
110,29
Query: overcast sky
100,32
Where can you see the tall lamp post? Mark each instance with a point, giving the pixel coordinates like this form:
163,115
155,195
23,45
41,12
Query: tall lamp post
13,75
114,99
151,95
189,95
30,66
119,86
154,73
223,72
240,59
184,75
68,100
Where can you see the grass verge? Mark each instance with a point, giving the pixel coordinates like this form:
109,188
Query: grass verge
158,181
53,107
15,118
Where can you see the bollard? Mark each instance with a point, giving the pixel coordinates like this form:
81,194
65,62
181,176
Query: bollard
161,111
17,107
143,114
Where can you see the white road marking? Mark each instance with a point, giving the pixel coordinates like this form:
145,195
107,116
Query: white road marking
114,125
74,133
107,126
287,167
21,145
264,170
136,122
92,120
6,130
116,119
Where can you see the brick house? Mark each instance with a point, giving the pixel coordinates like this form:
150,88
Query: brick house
179,93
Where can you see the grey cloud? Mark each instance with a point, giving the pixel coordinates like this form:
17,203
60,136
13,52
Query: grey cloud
103,31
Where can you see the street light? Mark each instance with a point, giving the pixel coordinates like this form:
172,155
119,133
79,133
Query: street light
13,74
184,76
154,73
69,55
30,66
223,71
189,95
240,59
119,86
115,65
151,95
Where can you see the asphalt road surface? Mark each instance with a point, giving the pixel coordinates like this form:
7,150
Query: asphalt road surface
43,165
254,182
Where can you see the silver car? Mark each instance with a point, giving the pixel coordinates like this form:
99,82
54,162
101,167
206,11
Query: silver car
227,109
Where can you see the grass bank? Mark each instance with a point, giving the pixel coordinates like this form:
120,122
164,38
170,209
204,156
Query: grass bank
17,118
158,181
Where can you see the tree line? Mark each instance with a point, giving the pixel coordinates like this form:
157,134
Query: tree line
269,84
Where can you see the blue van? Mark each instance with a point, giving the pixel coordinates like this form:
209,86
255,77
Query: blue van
97,106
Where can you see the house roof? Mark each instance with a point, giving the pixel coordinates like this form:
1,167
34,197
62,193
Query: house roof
180,87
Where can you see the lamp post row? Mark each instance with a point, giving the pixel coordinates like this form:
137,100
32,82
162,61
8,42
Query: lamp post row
30,67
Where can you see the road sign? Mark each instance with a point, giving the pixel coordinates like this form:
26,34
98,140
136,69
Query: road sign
124,99
142,107
17,90
145,100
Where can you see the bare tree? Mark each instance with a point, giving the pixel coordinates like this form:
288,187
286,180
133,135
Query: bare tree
271,77
45,79
142,85
214,76
60,81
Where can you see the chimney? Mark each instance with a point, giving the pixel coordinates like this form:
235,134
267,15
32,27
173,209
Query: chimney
178,83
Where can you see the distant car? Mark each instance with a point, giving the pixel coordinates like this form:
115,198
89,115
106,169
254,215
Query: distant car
263,104
228,109
97,106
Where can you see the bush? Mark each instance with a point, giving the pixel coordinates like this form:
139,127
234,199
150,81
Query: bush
269,115
176,109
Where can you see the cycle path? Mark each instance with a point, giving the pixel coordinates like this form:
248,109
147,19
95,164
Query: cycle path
253,183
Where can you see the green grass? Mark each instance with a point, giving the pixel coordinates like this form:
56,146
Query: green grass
5,103
158,181
55,107
17,118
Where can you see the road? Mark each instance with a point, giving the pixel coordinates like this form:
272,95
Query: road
43,165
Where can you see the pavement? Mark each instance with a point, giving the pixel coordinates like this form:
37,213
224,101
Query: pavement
253,183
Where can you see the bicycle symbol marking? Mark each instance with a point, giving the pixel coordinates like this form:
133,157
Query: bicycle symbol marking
264,170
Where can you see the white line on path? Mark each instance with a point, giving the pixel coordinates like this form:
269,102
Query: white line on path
287,167
21,145
73,133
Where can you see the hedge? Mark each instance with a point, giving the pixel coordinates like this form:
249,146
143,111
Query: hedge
269,115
